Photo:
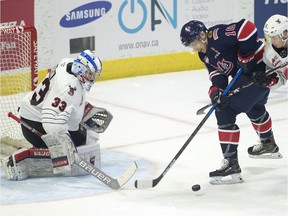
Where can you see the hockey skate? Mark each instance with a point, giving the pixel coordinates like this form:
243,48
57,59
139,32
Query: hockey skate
266,149
229,173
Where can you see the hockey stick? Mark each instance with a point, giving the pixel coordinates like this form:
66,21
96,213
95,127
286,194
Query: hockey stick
152,183
90,168
235,91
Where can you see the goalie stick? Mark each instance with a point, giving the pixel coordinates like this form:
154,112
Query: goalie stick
90,168
235,91
141,184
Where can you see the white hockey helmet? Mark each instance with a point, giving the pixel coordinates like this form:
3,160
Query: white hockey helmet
276,25
87,67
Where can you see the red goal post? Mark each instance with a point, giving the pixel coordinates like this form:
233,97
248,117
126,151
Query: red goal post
18,76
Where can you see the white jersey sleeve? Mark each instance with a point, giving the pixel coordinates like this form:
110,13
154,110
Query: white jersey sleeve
272,59
58,101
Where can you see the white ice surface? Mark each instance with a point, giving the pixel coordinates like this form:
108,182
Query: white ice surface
153,117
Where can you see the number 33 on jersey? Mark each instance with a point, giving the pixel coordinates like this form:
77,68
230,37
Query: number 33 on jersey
58,106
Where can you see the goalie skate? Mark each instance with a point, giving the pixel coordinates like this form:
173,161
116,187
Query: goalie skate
229,173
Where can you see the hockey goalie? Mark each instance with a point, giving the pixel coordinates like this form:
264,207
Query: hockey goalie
67,122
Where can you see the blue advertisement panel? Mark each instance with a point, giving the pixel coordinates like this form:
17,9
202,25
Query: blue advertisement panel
265,9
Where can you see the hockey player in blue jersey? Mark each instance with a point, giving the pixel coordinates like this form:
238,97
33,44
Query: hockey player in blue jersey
224,49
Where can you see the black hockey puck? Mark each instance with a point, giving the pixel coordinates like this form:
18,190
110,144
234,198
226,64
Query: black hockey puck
196,187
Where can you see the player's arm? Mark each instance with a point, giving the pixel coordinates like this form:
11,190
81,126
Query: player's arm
250,47
276,79
219,83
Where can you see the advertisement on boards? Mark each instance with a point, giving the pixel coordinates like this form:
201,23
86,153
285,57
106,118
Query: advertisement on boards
17,12
264,9
130,28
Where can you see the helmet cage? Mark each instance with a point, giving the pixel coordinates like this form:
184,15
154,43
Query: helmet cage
87,67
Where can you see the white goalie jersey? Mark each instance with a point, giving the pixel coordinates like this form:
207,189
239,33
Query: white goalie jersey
273,59
59,108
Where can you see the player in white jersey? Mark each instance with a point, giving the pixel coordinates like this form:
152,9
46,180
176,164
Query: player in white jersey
275,52
57,108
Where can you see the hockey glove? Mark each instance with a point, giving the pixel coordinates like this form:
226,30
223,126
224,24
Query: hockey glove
216,97
260,79
246,62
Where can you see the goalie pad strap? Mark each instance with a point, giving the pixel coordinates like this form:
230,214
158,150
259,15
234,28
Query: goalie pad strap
32,153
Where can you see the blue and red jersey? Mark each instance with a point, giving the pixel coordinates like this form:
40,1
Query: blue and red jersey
225,44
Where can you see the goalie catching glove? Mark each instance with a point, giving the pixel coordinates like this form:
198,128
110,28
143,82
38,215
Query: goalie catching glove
96,118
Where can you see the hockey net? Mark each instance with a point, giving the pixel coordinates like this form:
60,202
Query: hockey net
18,76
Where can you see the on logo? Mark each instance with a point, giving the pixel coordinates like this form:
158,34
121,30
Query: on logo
124,9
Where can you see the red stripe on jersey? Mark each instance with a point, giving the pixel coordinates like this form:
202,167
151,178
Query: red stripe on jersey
259,53
246,30
229,136
212,74
264,126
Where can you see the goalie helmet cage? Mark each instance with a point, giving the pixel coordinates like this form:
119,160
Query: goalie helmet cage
18,76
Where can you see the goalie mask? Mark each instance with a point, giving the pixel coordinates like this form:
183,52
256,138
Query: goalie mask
87,67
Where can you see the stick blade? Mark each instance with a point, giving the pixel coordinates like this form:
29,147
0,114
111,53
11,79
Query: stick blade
202,110
127,175
143,184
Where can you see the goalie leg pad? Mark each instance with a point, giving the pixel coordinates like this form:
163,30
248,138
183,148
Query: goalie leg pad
89,153
15,170
92,138
61,150
25,163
